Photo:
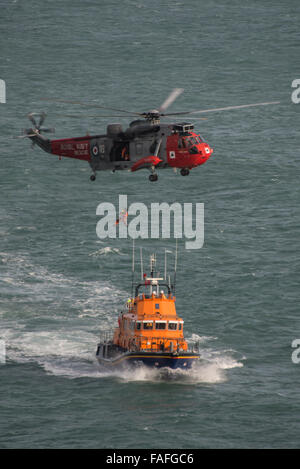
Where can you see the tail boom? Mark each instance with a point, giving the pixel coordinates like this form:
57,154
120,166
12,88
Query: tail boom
42,142
78,148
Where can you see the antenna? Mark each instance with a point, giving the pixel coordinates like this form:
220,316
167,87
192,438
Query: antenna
175,267
141,254
132,268
152,264
166,252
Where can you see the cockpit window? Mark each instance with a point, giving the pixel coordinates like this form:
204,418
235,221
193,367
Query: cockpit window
191,141
199,139
193,150
181,143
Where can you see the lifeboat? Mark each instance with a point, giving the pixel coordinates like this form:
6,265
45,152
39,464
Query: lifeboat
149,331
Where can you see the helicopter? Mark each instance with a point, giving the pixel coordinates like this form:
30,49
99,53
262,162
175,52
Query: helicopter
147,143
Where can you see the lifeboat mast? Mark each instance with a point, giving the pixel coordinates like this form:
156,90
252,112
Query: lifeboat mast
151,280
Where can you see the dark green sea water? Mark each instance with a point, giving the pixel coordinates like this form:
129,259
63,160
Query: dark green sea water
61,285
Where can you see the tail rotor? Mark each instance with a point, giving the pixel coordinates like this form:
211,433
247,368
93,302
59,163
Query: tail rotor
38,125
37,119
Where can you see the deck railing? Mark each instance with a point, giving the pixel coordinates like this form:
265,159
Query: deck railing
157,344
153,344
106,336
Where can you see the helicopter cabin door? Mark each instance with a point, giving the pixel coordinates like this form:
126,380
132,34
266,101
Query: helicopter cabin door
175,152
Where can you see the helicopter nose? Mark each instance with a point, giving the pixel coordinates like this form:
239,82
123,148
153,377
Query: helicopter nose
206,151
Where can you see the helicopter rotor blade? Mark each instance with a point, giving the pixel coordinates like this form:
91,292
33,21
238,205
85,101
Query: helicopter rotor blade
47,130
79,116
42,118
37,128
90,105
178,117
32,119
170,99
228,108
26,135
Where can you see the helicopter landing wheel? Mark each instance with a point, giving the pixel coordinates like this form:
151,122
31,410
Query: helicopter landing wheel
184,172
153,177
93,177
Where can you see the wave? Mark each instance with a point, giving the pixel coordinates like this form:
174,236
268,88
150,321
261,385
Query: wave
211,369
71,353
105,251
204,372
48,317
35,284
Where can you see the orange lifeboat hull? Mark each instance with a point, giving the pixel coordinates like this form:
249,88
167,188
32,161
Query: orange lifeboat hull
121,359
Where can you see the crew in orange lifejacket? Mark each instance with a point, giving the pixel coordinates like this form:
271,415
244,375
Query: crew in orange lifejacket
125,154
123,218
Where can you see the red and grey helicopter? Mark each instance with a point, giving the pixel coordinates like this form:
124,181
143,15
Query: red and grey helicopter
146,143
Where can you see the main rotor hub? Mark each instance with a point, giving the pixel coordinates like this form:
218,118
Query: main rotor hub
152,116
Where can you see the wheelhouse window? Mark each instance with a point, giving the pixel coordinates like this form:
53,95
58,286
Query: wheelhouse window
148,325
138,325
159,325
172,326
